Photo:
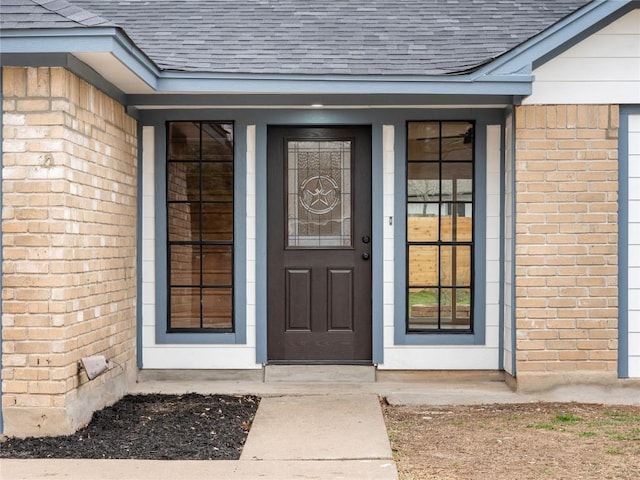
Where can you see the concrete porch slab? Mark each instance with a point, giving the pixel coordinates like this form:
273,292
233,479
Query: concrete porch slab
320,373
315,427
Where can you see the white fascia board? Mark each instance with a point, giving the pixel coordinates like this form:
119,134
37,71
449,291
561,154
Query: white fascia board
81,40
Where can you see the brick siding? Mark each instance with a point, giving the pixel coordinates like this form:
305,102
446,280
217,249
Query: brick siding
69,256
566,255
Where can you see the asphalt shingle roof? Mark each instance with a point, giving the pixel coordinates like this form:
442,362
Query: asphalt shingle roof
326,37
16,14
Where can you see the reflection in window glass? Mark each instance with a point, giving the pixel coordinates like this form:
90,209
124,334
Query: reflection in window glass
440,196
200,226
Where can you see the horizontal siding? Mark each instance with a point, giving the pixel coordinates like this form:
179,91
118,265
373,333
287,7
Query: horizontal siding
193,356
508,248
634,246
602,69
432,357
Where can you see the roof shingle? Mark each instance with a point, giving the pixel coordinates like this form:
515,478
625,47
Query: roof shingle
31,14
346,37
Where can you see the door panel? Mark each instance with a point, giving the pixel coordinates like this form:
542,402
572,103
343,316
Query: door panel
319,228
298,298
340,291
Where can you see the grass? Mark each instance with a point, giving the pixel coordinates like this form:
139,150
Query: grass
559,419
567,418
430,297
633,434
622,416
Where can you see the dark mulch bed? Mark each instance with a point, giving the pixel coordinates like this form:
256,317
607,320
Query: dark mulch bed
152,427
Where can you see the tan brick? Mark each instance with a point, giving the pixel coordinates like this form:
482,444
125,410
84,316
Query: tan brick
544,335
59,82
597,366
33,105
562,366
591,134
533,229
537,356
597,334
604,355
573,187
38,81
47,387
15,386
532,134
540,144
31,374
530,345
558,323
49,118
561,344
532,366
560,134
571,163
561,282
549,313
69,237
573,355
614,116
573,334
576,148
592,345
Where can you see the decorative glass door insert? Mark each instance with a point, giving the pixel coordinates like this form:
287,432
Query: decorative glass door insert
319,193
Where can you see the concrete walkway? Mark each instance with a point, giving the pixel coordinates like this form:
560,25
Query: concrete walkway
319,430
292,437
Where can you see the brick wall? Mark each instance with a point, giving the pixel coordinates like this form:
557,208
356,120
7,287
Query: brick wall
566,244
69,256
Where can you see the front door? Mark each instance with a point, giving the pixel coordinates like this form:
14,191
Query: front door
319,244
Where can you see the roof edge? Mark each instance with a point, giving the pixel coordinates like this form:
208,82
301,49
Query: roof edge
112,39
556,38
30,46
73,13
510,74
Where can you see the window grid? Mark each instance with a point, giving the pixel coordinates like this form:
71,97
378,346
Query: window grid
200,254
429,295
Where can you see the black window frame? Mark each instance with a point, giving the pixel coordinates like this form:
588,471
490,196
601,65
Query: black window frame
439,242
201,243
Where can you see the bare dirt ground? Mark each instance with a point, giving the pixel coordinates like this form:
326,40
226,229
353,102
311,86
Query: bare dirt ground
526,441
152,427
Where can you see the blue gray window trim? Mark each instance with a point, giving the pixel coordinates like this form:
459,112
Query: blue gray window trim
261,118
623,239
401,337
239,274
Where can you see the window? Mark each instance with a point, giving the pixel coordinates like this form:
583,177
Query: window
440,160
319,193
200,226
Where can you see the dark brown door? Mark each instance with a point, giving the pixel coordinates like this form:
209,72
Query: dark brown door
319,244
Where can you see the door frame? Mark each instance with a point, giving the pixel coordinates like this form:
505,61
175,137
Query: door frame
388,123
358,129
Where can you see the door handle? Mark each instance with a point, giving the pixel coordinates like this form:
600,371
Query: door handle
366,256
366,239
